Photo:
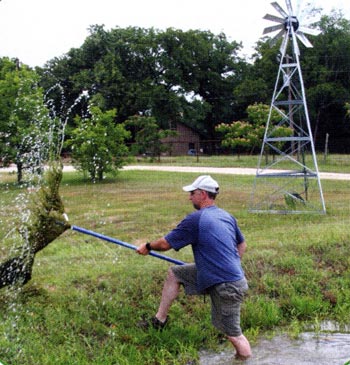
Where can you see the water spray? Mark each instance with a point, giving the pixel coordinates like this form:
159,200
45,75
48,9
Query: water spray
38,229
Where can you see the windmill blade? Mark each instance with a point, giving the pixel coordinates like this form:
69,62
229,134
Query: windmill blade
274,18
278,36
297,11
295,44
289,7
283,46
288,28
273,28
279,9
310,31
304,40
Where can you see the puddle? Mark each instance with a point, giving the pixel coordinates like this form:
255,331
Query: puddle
308,349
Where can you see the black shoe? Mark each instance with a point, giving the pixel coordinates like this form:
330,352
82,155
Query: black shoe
154,322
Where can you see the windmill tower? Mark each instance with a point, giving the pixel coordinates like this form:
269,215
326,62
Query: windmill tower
287,177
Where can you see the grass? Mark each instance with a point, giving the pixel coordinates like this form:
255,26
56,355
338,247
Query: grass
86,296
330,163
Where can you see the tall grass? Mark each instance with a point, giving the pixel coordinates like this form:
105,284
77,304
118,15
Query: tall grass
87,296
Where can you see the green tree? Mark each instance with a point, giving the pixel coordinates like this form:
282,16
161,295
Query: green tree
326,69
26,135
347,108
248,135
197,77
237,135
9,85
8,90
98,144
203,69
257,78
173,76
148,136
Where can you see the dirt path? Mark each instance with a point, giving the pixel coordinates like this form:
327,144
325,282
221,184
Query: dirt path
200,170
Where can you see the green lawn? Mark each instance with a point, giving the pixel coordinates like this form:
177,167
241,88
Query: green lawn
86,295
330,163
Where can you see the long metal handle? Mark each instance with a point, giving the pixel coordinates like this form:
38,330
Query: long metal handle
124,244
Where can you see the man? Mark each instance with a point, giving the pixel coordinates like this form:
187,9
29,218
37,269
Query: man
218,246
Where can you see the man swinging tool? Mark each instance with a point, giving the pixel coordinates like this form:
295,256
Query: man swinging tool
218,246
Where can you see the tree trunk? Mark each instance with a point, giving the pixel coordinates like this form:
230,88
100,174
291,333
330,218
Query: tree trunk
19,172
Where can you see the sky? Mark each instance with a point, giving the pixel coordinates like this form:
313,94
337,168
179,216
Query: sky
35,31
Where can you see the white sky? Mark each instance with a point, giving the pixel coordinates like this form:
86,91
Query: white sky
36,31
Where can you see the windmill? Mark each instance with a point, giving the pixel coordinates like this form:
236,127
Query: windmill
287,177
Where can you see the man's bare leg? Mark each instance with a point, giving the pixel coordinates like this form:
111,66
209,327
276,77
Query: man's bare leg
242,346
170,292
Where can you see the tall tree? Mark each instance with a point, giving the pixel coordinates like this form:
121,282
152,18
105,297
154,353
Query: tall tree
198,78
172,75
258,78
204,69
326,69
25,133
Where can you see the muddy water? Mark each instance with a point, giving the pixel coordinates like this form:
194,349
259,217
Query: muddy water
309,349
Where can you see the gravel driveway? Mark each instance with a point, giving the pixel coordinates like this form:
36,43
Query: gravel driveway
200,170
224,170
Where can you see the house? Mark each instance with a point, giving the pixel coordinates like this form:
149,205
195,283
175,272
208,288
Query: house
186,142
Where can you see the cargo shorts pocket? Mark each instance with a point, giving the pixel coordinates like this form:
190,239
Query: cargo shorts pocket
232,291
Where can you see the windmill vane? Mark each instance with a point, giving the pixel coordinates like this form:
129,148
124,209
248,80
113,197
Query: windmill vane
292,21
288,26
288,135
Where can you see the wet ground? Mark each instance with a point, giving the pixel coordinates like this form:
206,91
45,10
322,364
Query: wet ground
309,349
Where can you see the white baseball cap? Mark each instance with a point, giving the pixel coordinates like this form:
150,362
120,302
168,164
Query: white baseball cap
204,182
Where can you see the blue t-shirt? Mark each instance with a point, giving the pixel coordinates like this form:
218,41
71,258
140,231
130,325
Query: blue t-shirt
214,235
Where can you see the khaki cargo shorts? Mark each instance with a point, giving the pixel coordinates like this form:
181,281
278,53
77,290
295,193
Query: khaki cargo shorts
226,299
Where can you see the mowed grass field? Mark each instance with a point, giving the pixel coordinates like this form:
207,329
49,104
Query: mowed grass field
87,296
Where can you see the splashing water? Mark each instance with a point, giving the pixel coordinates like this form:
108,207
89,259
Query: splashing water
42,222
34,218
41,217
61,114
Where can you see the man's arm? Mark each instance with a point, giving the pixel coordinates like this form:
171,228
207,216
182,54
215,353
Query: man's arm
241,248
159,245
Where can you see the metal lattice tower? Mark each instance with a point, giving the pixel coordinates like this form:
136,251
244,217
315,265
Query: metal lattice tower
287,177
